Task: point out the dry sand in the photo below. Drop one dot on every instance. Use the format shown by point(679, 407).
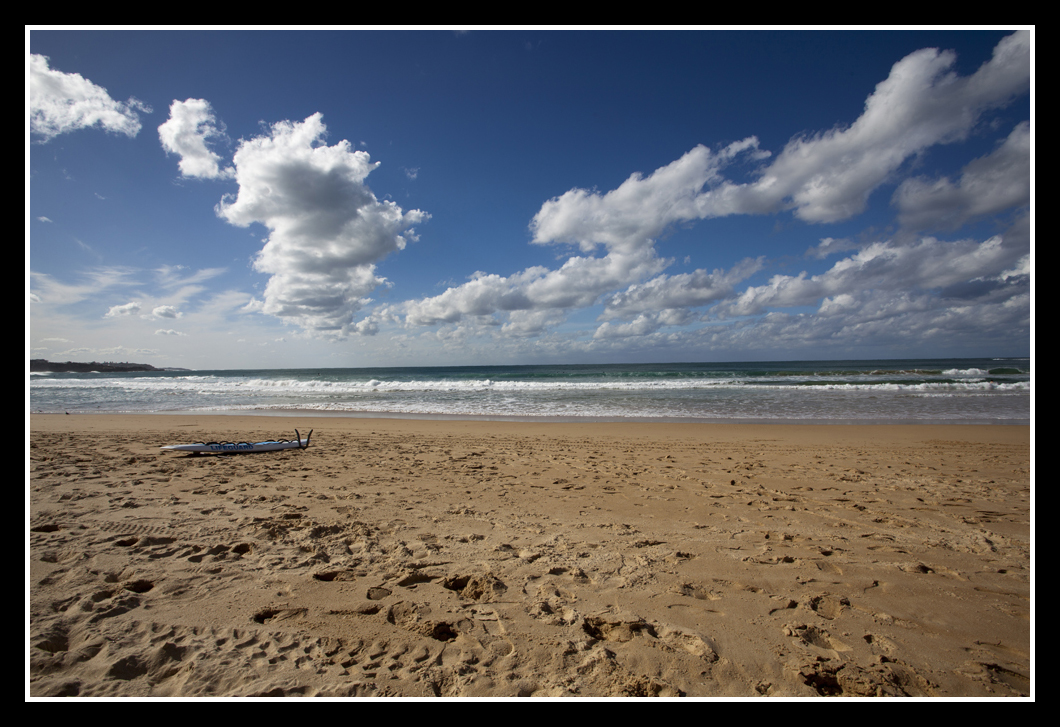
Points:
point(497, 559)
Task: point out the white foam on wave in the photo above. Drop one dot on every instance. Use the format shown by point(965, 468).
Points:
point(958, 393)
point(208, 385)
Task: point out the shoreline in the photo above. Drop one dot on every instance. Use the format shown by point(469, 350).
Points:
point(316, 414)
point(709, 431)
point(418, 558)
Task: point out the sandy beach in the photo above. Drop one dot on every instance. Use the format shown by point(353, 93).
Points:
point(412, 558)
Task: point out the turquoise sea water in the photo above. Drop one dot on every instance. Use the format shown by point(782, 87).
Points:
point(989, 390)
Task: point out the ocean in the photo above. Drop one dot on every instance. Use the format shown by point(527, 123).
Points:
point(972, 391)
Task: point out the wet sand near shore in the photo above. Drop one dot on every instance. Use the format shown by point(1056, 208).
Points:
point(412, 558)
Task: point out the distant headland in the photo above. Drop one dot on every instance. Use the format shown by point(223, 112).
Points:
point(40, 364)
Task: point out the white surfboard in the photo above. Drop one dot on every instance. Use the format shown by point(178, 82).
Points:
point(242, 447)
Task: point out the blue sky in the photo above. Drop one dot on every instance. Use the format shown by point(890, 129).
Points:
point(267, 199)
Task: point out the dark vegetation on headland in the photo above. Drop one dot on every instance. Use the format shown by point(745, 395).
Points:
point(40, 364)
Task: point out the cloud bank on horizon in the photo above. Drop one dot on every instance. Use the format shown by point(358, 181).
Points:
point(930, 278)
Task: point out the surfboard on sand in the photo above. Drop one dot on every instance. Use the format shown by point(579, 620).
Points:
point(242, 447)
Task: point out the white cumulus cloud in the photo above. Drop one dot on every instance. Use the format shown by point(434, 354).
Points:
point(166, 311)
point(825, 177)
point(326, 227)
point(62, 102)
point(945, 270)
point(687, 290)
point(190, 125)
point(988, 185)
point(829, 176)
point(126, 309)
point(578, 283)
point(640, 209)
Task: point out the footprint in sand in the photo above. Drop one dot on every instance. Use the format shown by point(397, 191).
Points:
point(414, 617)
point(829, 607)
point(616, 627)
point(689, 641)
point(697, 591)
point(813, 636)
point(481, 588)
